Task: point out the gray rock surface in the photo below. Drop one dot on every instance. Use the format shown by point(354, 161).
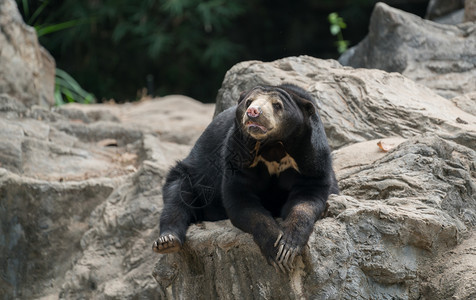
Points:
point(87, 234)
point(440, 8)
point(27, 70)
point(453, 274)
point(80, 195)
point(169, 120)
point(356, 105)
point(381, 238)
point(466, 102)
point(441, 57)
point(453, 18)
point(470, 11)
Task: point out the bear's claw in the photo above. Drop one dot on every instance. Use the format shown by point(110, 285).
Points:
point(167, 244)
point(285, 256)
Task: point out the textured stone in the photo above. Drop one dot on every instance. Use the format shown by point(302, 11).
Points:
point(395, 216)
point(470, 11)
point(453, 274)
point(441, 57)
point(466, 102)
point(440, 8)
point(27, 70)
point(76, 186)
point(165, 116)
point(80, 195)
point(90, 238)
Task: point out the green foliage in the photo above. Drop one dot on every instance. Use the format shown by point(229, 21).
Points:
point(114, 48)
point(42, 30)
point(67, 88)
point(337, 24)
point(111, 46)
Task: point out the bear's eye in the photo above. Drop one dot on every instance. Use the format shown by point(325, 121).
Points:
point(277, 106)
point(248, 102)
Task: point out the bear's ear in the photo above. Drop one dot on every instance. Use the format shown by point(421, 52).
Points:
point(307, 107)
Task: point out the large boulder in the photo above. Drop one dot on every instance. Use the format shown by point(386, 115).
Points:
point(356, 105)
point(166, 117)
point(80, 192)
point(383, 238)
point(76, 186)
point(441, 57)
point(27, 70)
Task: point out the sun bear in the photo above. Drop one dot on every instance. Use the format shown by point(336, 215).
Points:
point(266, 157)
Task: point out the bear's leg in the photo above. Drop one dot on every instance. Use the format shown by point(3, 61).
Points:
point(246, 213)
point(303, 208)
point(176, 216)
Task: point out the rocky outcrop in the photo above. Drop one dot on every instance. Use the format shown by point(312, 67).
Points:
point(357, 105)
point(381, 238)
point(27, 70)
point(77, 185)
point(441, 57)
point(89, 236)
point(80, 195)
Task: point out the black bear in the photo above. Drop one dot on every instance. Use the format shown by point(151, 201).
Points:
point(265, 158)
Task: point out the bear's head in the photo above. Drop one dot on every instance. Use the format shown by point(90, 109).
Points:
point(274, 112)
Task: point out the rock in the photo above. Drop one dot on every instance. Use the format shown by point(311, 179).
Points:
point(440, 8)
point(87, 234)
point(175, 118)
point(361, 154)
point(441, 57)
point(395, 216)
point(466, 102)
point(453, 275)
point(453, 18)
point(470, 11)
point(27, 70)
point(116, 259)
point(42, 224)
point(80, 194)
point(63, 172)
point(356, 105)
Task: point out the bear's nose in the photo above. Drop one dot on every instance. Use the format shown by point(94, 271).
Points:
point(253, 111)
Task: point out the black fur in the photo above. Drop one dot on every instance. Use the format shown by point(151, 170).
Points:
point(217, 180)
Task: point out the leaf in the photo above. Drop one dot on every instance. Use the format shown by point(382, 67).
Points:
point(218, 52)
point(58, 98)
point(332, 17)
point(335, 29)
point(44, 30)
point(341, 23)
point(26, 7)
point(385, 147)
point(70, 88)
point(120, 31)
point(175, 7)
point(157, 44)
point(37, 12)
point(342, 46)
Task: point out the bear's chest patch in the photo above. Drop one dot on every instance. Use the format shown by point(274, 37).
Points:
point(276, 160)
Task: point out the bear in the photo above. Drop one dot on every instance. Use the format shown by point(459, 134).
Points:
point(265, 158)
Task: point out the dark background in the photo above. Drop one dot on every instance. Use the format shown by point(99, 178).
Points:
point(114, 47)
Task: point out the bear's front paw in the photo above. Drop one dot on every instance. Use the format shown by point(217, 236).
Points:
point(167, 243)
point(287, 251)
